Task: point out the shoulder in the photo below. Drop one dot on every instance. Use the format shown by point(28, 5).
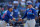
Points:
point(28, 9)
point(33, 8)
point(7, 12)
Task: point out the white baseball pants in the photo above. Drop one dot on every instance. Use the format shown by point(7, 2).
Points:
point(30, 23)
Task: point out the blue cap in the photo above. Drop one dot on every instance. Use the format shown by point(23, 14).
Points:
point(29, 3)
point(9, 7)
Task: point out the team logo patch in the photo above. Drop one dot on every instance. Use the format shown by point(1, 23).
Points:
point(30, 11)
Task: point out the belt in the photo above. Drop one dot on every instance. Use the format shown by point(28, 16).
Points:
point(29, 19)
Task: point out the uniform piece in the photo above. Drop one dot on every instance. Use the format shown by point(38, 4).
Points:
point(7, 15)
point(31, 14)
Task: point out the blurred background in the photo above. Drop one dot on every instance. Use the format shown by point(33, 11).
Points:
point(19, 7)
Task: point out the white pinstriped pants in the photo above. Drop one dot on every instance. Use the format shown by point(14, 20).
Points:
point(30, 23)
point(2, 23)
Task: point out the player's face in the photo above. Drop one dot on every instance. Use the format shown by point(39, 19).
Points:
point(29, 6)
point(11, 9)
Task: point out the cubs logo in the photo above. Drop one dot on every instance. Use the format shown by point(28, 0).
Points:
point(30, 11)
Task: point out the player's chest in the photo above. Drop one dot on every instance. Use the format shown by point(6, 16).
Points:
point(29, 11)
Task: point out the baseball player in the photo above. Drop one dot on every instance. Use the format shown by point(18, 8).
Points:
point(17, 15)
point(30, 14)
point(6, 16)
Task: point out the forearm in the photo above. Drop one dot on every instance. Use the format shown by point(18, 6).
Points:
point(24, 16)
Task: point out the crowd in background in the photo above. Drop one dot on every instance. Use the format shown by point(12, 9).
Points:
point(19, 6)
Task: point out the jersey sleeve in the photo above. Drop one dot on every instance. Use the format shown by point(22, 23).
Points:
point(34, 12)
point(10, 16)
point(24, 15)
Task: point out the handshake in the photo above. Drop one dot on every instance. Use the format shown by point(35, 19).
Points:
point(20, 19)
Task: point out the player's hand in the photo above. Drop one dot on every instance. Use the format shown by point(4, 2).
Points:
point(20, 19)
point(14, 19)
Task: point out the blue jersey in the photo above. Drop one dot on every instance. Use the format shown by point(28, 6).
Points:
point(7, 15)
point(30, 14)
point(15, 13)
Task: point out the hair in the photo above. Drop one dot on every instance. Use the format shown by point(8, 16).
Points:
point(9, 8)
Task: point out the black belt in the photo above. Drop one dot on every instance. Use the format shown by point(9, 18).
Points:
point(29, 19)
